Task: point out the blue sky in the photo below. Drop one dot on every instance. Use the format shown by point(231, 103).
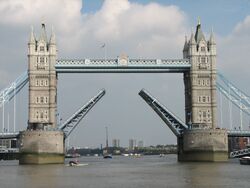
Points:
point(222, 15)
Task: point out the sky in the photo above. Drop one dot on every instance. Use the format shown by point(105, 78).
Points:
point(139, 28)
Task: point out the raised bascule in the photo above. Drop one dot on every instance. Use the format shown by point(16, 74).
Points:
point(199, 138)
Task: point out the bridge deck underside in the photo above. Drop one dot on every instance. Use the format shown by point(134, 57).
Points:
point(119, 66)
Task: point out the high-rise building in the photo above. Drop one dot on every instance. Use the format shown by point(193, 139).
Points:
point(116, 143)
point(132, 144)
point(140, 144)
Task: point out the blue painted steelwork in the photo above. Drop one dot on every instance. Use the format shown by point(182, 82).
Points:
point(122, 66)
point(238, 133)
point(70, 124)
point(9, 92)
point(234, 99)
point(172, 121)
point(240, 153)
point(9, 135)
point(239, 93)
point(233, 94)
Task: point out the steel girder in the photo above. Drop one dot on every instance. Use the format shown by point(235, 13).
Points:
point(241, 95)
point(9, 92)
point(172, 121)
point(122, 65)
point(240, 153)
point(234, 99)
point(238, 133)
point(9, 135)
point(71, 123)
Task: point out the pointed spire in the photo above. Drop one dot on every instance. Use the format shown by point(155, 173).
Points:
point(43, 35)
point(192, 39)
point(212, 39)
point(186, 44)
point(199, 34)
point(199, 20)
point(53, 36)
point(32, 39)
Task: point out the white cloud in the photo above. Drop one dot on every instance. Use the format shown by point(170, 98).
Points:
point(233, 53)
point(122, 25)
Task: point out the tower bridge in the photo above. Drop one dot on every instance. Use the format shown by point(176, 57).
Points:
point(198, 137)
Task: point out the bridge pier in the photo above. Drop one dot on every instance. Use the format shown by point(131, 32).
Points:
point(203, 145)
point(41, 147)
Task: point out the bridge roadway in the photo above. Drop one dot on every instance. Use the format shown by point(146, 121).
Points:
point(9, 135)
point(231, 133)
point(122, 65)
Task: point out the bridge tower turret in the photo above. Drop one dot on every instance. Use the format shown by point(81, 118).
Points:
point(43, 81)
point(200, 82)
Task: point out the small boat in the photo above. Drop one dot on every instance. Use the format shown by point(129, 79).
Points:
point(76, 164)
point(245, 160)
point(73, 163)
point(107, 156)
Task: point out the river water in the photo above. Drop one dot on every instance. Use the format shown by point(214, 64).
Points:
point(126, 172)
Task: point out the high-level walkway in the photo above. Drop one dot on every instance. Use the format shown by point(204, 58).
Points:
point(122, 65)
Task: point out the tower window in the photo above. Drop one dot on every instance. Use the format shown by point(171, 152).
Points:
point(203, 49)
point(208, 99)
point(41, 59)
point(203, 59)
point(41, 99)
point(203, 99)
point(204, 114)
point(42, 48)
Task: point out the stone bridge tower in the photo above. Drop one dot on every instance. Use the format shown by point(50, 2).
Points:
point(200, 82)
point(42, 143)
point(202, 141)
point(42, 81)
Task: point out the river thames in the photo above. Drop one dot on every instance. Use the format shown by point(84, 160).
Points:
point(126, 172)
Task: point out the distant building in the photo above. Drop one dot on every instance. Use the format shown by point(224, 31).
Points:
point(140, 144)
point(132, 144)
point(237, 143)
point(116, 143)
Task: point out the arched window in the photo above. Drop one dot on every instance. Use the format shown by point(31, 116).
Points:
point(203, 99)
